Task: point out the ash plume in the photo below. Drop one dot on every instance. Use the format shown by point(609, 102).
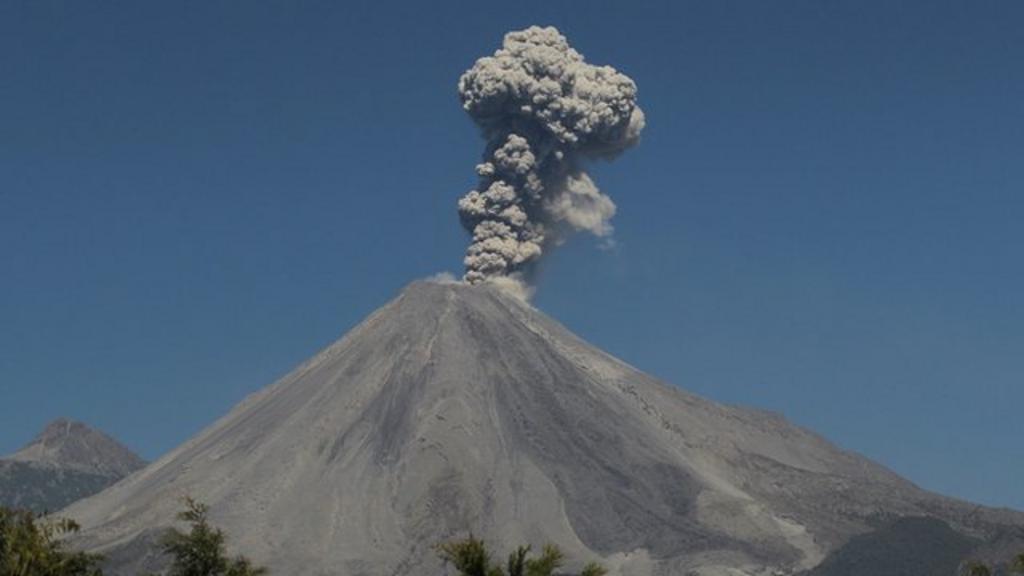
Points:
point(544, 113)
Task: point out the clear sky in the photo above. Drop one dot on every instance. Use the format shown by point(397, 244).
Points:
point(824, 217)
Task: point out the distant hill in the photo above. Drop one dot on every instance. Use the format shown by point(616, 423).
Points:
point(67, 461)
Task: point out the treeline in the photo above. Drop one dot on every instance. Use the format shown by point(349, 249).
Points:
point(31, 546)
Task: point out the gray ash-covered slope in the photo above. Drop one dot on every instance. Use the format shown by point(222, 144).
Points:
point(456, 409)
point(66, 462)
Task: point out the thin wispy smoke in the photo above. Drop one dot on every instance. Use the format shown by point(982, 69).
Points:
point(545, 113)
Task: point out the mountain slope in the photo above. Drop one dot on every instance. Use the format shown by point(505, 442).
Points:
point(457, 408)
point(67, 461)
point(907, 547)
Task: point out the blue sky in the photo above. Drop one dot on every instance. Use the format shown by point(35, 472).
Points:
point(823, 217)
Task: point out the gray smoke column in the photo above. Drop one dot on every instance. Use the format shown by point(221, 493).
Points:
point(544, 112)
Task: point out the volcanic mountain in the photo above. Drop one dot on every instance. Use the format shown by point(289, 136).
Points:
point(67, 461)
point(457, 408)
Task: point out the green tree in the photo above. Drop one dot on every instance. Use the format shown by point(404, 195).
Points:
point(201, 551)
point(1018, 564)
point(33, 547)
point(517, 561)
point(471, 558)
point(976, 569)
point(550, 560)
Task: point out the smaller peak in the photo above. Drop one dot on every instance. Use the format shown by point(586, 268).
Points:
point(62, 427)
point(68, 443)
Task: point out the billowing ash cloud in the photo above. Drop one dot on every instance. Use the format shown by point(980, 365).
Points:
point(544, 113)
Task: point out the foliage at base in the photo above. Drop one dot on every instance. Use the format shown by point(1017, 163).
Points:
point(201, 550)
point(471, 558)
point(33, 547)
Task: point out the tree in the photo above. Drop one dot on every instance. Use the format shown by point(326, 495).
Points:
point(517, 561)
point(976, 569)
point(1018, 564)
point(550, 559)
point(33, 547)
point(201, 551)
point(471, 558)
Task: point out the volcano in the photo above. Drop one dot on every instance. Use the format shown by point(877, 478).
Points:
point(458, 408)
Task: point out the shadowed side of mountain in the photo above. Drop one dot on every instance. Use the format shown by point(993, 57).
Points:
point(45, 488)
point(907, 547)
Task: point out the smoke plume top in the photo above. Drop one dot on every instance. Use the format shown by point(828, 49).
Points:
point(544, 113)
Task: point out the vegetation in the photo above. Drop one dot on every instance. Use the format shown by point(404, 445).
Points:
point(200, 552)
point(976, 569)
point(979, 569)
point(471, 558)
point(33, 547)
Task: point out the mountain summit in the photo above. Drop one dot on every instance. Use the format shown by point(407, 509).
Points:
point(73, 445)
point(457, 408)
point(68, 460)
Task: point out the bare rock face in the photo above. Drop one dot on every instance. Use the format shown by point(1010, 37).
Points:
point(66, 462)
point(456, 409)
